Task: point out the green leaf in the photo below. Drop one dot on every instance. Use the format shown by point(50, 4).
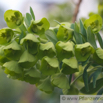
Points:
point(99, 40)
point(51, 36)
point(31, 42)
point(45, 85)
point(49, 64)
point(32, 76)
point(95, 22)
point(28, 19)
point(85, 77)
point(83, 31)
point(13, 18)
point(69, 66)
point(72, 91)
point(32, 13)
point(92, 90)
point(83, 51)
point(46, 49)
point(100, 92)
point(64, 50)
point(6, 35)
point(95, 76)
point(98, 56)
point(64, 34)
point(91, 37)
point(60, 80)
point(77, 35)
point(13, 51)
point(27, 60)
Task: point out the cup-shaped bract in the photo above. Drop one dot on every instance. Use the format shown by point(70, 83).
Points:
point(64, 50)
point(13, 51)
point(3, 58)
point(47, 49)
point(31, 42)
point(32, 75)
point(6, 35)
point(45, 85)
point(13, 18)
point(69, 66)
point(83, 51)
point(60, 80)
point(98, 56)
point(39, 26)
point(13, 69)
point(64, 34)
point(95, 21)
point(27, 60)
point(49, 66)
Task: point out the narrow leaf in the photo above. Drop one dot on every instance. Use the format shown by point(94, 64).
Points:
point(32, 13)
point(99, 40)
point(95, 75)
point(91, 37)
point(85, 77)
point(83, 31)
point(51, 36)
point(29, 18)
point(92, 90)
point(77, 35)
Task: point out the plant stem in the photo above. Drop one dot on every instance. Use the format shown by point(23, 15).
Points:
point(76, 11)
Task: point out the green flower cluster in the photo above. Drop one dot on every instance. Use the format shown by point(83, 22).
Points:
point(34, 52)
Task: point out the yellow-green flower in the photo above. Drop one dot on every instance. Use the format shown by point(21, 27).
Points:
point(13, 18)
point(6, 35)
point(95, 21)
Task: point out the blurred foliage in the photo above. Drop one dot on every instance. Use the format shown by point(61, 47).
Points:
point(60, 12)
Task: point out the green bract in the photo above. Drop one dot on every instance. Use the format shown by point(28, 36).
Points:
point(83, 51)
point(32, 75)
point(31, 42)
point(64, 34)
point(13, 51)
point(70, 66)
point(49, 57)
point(45, 85)
point(12, 68)
point(27, 60)
point(64, 50)
point(39, 26)
point(49, 66)
point(72, 91)
point(3, 58)
point(47, 49)
point(13, 18)
point(98, 56)
point(60, 80)
point(95, 21)
point(6, 35)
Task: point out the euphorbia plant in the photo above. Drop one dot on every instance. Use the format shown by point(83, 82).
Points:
point(34, 52)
